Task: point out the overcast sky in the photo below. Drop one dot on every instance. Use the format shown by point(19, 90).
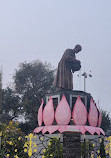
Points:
point(39, 29)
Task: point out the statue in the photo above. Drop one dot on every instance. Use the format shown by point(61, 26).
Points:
point(67, 65)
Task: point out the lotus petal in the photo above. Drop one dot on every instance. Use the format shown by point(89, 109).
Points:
point(82, 129)
point(79, 113)
point(77, 127)
point(100, 119)
point(38, 129)
point(61, 128)
point(101, 131)
point(90, 129)
point(44, 130)
point(63, 112)
point(52, 129)
point(97, 131)
point(40, 117)
point(48, 113)
point(93, 114)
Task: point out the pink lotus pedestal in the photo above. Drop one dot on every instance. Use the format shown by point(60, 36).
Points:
point(61, 128)
point(71, 113)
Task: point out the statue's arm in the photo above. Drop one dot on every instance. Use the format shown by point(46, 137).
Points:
point(69, 56)
point(71, 61)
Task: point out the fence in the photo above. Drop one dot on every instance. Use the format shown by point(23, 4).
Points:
point(51, 146)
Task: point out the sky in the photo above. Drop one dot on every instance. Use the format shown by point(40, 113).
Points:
point(39, 29)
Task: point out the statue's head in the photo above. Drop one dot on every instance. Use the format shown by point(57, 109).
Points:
point(77, 48)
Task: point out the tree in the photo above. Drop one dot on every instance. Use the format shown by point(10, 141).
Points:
point(10, 105)
point(32, 81)
point(0, 96)
point(105, 125)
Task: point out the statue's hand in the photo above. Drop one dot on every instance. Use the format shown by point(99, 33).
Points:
point(76, 67)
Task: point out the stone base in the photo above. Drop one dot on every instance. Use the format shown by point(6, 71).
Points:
point(71, 145)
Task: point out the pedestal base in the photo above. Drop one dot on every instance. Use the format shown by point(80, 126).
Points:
point(71, 145)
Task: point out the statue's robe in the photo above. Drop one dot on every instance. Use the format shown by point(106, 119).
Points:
point(67, 65)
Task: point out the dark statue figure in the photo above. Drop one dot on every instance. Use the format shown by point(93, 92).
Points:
point(67, 65)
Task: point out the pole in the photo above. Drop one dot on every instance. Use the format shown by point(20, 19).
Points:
point(85, 76)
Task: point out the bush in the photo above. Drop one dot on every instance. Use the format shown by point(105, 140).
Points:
point(12, 141)
point(86, 148)
point(54, 149)
point(102, 149)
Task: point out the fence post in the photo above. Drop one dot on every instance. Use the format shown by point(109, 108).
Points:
point(71, 143)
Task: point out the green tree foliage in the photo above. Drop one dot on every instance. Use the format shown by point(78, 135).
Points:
point(102, 149)
point(105, 125)
point(0, 97)
point(32, 81)
point(54, 149)
point(10, 105)
point(86, 148)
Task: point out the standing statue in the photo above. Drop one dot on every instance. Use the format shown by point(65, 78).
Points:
point(67, 65)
